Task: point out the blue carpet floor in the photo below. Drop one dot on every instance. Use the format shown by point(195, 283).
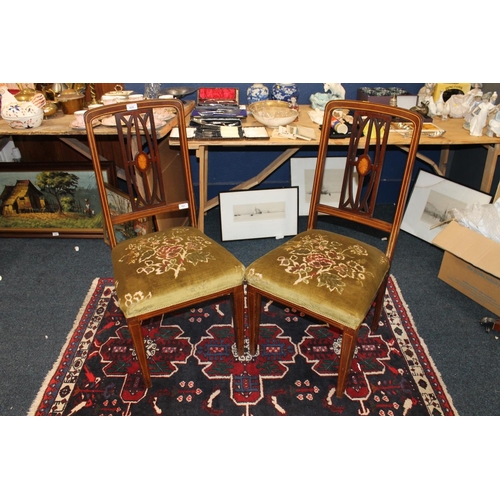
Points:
point(44, 282)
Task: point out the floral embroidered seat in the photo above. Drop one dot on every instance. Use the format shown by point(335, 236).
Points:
point(330, 275)
point(175, 266)
point(327, 275)
point(161, 260)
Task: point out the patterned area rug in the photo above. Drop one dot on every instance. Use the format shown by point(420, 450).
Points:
point(195, 370)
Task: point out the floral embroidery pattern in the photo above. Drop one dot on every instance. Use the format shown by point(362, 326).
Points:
point(316, 258)
point(160, 254)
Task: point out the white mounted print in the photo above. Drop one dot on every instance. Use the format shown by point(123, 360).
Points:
point(431, 200)
point(302, 175)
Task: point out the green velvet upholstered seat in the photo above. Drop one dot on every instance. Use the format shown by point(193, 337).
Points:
point(333, 276)
point(175, 266)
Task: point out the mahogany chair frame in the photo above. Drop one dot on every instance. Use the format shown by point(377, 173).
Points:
point(146, 191)
point(370, 132)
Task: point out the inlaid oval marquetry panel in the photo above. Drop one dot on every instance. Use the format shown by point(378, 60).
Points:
point(364, 165)
point(142, 161)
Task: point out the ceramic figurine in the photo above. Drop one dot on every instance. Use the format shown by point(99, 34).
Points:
point(333, 91)
point(470, 96)
point(477, 100)
point(494, 125)
point(480, 116)
point(425, 93)
point(319, 100)
point(456, 106)
point(285, 91)
point(257, 92)
point(440, 104)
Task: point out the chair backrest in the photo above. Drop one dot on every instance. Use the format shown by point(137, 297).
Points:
point(147, 199)
point(371, 127)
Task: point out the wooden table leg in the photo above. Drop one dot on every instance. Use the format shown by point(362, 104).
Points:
point(437, 168)
point(443, 159)
point(490, 166)
point(202, 155)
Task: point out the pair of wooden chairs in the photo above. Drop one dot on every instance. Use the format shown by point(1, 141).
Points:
point(167, 267)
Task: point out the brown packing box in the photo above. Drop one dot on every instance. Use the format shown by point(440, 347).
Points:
point(471, 264)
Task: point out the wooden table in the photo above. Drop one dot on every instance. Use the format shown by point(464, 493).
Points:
point(59, 126)
point(455, 135)
point(49, 144)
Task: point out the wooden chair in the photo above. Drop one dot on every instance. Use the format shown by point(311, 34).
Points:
point(332, 277)
point(169, 264)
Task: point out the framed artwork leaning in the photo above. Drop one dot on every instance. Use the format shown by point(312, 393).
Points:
point(51, 200)
point(431, 200)
point(302, 175)
point(263, 213)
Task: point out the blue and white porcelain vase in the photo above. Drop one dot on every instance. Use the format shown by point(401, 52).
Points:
point(285, 91)
point(257, 92)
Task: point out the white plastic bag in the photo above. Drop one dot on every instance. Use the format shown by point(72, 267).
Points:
point(484, 219)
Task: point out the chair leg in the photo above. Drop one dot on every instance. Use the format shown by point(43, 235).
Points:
point(349, 340)
point(134, 326)
point(254, 306)
point(378, 305)
point(238, 307)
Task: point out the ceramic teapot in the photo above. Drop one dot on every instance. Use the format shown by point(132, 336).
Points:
point(22, 114)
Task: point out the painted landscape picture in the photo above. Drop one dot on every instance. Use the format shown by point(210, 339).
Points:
point(54, 201)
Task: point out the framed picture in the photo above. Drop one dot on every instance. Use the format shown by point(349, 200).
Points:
point(261, 213)
point(119, 203)
point(302, 175)
point(51, 200)
point(430, 201)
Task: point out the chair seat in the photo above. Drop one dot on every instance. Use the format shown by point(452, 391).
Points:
point(151, 271)
point(330, 275)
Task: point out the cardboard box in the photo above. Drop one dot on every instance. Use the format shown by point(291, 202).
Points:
point(471, 264)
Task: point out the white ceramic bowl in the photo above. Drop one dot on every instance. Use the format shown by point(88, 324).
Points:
point(273, 114)
point(23, 115)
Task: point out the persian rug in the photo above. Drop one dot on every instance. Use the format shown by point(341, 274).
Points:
point(196, 371)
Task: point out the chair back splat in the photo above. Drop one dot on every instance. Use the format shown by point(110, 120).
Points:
point(141, 161)
point(328, 275)
point(161, 260)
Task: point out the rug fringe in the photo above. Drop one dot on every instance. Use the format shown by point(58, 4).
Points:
point(39, 396)
point(424, 345)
